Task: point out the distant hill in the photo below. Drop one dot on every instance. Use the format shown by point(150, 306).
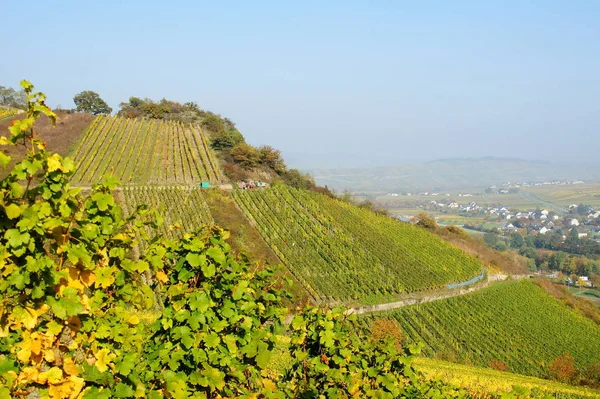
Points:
point(446, 174)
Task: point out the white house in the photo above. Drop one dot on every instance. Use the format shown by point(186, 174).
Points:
point(544, 212)
point(582, 235)
point(543, 230)
point(574, 222)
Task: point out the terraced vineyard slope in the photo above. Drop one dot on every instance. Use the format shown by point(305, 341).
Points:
point(514, 322)
point(343, 253)
point(8, 112)
point(143, 151)
point(183, 209)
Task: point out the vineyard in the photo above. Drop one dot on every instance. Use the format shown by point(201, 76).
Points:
point(142, 151)
point(515, 323)
point(183, 209)
point(345, 254)
point(8, 112)
point(480, 382)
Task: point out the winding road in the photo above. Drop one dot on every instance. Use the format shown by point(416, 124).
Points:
point(533, 198)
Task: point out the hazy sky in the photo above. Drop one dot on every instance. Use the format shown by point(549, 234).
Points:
point(335, 83)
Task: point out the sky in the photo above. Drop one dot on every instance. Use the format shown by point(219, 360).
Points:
point(336, 83)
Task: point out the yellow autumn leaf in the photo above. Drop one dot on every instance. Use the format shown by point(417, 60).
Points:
point(269, 385)
point(103, 359)
point(140, 391)
point(161, 276)
point(25, 353)
point(52, 376)
point(73, 345)
point(26, 317)
point(69, 366)
point(49, 355)
point(133, 320)
point(36, 343)
point(87, 277)
point(74, 281)
point(85, 301)
point(54, 163)
point(105, 276)
point(67, 389)
point(28, 374)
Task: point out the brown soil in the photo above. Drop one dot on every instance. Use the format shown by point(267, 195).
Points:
point(58, 139)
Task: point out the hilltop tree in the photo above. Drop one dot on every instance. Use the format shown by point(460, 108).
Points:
point(225, 140)
point(245, 155)
point(11, 98)
point(272, 158)
point(90, 101)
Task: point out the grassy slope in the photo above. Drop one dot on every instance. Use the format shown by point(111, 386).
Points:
point(514, 322)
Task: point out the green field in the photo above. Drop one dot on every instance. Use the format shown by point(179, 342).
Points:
point(552, 197)
point(514, 322)
point(347, 254)
point(587, 193)
point(513, 201)
point(143, 151)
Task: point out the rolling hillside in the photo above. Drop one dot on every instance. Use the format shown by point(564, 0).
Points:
point(143, 151)
point(339, 253)
point(345, 254)
point(515, 323)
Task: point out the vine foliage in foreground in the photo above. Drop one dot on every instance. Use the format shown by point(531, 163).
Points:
point(81, 318)
point(77, 315)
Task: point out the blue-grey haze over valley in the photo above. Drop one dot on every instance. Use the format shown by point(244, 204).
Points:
point(340, 83)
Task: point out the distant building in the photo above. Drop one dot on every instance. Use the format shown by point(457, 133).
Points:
point(574, 222)
point(543, 230)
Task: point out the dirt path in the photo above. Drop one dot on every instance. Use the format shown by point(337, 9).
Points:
point(431, 298)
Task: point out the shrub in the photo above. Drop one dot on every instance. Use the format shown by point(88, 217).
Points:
point(213, 123)
point(498, 365)
point(245, 155)
point(563, 368)
point(425, 221)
